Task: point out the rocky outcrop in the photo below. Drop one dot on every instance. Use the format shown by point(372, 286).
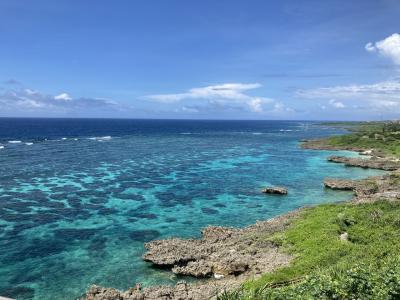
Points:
point(340, 184)
point(208, 289)
point(221, 250)
point(361, 188)
point(344, 237)
point(370, 189)
point(224, 256)
point(377, 188)
point(373, 163)
point(181, 291)
point(377, 159)
point(275, 190)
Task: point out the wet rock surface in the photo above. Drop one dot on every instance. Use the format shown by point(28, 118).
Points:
point(275, 190)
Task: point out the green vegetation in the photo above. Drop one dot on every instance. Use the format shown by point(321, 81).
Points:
point(384, 136)
point(366, 266)
point(365, 262)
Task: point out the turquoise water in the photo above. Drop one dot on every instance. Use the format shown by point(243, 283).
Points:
point(78, 203)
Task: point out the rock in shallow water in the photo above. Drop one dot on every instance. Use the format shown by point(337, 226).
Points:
point(275, 190)
point(144, 235)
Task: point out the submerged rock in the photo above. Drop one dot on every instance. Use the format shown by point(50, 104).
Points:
point(275, 190)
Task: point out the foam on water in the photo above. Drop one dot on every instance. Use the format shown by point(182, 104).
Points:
point(101, 138)
point(77, 213)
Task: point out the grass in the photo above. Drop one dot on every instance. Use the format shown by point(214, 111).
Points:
point(383, 136)
point(322, 258)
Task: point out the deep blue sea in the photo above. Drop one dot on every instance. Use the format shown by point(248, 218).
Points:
point(79, 197)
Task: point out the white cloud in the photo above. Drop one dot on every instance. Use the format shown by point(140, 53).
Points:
point(25, 100)
point(280, 107)
point(189, 109)
point(381, 96)
point(227, 93)
point(30, 92)
point(380, 90)
point(256, 104)
point(388, 47)
point(63, 96)
point(29, 103)
point(336, 104)
point(370, 47)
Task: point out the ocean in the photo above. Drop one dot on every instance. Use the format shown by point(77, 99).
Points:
point(79, 197)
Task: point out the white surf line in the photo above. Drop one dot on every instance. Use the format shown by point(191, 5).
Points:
point(4, 298)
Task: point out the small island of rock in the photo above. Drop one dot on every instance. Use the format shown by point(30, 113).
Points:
point(275, 190)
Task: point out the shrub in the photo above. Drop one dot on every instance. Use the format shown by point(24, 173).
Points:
point(359, 281)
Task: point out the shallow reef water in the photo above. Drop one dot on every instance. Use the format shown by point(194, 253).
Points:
point(78, 198)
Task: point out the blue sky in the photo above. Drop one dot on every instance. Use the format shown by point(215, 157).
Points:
point(200, 59)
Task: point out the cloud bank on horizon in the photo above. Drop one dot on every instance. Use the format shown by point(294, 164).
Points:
point(343, 63)
point(28, 102)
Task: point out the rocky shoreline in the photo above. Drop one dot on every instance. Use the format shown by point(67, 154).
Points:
point(370, 189)
point(371, 163)
point(225, 257)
